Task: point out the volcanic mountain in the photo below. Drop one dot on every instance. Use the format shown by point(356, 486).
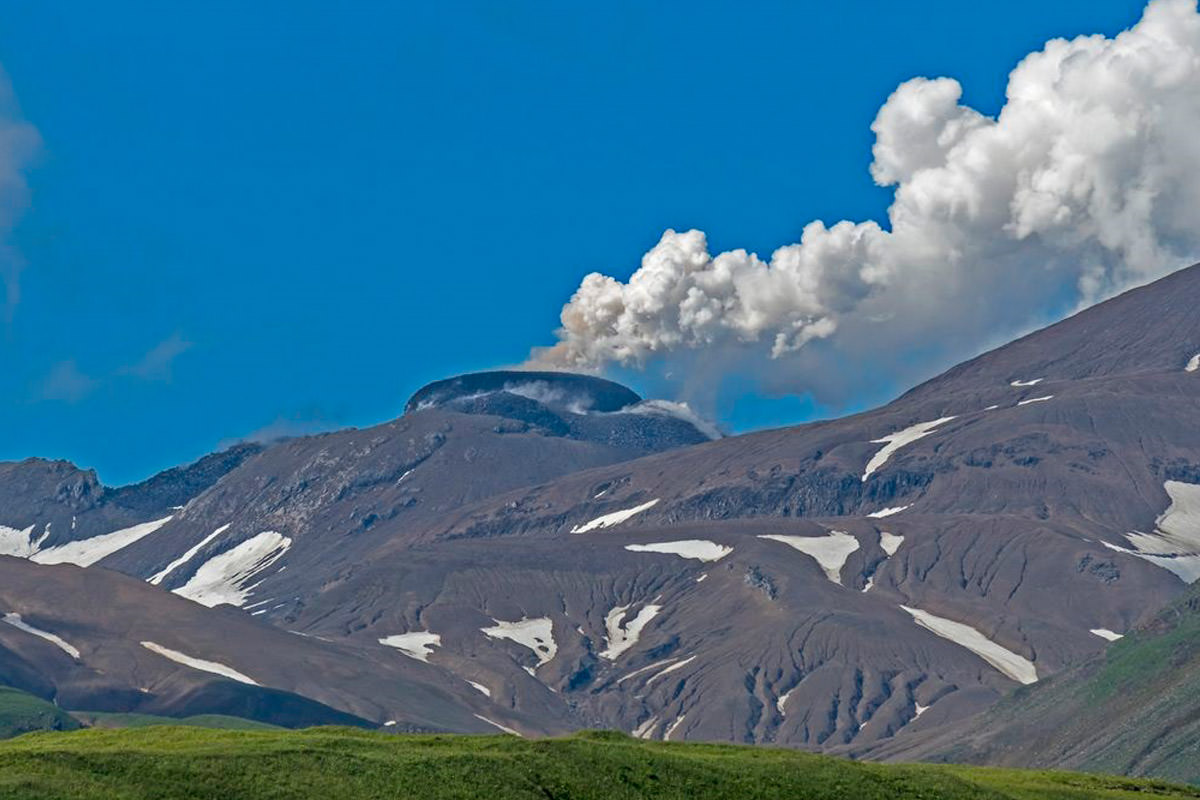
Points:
point(547, 552)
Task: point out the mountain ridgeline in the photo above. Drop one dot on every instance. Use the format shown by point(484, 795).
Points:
point(541, 553)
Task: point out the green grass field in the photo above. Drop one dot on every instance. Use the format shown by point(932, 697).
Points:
point(174, 762)
point(101, 719)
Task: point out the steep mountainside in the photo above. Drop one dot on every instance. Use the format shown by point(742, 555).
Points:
point(1133, 710)
point(571, 556)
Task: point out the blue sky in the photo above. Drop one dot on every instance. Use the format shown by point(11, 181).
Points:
point(250, 217)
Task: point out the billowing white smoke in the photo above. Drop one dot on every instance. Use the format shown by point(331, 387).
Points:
point(1086, 183)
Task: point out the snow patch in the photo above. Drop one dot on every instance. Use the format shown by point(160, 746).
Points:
point(186, 557)
point(614, 518)
point(886, 512)
point(1175, 542)
point(17, 543)
point(417, 644)
point(86, 552)
point(673, 727)
point(535, 634)
point(699, 549)
point(495, 724)
point(214, 667)
point(226, 578)
point(670, 669)
point(781, 701)
point(622, 637)
point(829, 551)
point(894, 441)
point(646, 729)
point(1036, 400)
point(1033, 382)
point(646, 668)
point(16, 621)
point(479, 687)
point(890, 542)
point(1006, 661)
point(920, 709)
point(1105, 633)
point(1194, 364)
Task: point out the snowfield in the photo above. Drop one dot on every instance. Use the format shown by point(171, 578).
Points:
point(621, 637)
point(1175, 543)
point(699, 549)
point(16, 621)
point(535, 634)
point(1011, 664)
point(613, 518)
point(215, 667)
point(887, 512)
point(1105, 633)
point(894, 441)
point(890, 542)
point(226, 578)
point(86, 552)
point(186, 557)
point(19, 543)
point(417, 644)
point(829, 551)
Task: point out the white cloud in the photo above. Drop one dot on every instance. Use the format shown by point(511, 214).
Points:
point(1087, 182)
point(19, 142)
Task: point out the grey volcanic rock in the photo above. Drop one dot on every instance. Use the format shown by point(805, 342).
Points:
point(551, 552)
point(558, 389)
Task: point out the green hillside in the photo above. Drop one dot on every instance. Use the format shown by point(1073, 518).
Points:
point(193, 763)
point(101, 719)
point(21, 713)
point(1135, 710)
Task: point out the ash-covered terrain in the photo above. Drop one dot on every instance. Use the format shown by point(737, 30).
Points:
point(543, 552)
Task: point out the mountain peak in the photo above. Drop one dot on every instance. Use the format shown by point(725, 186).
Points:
point(567, 390)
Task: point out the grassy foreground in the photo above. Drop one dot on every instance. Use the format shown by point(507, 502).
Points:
point(167, 763)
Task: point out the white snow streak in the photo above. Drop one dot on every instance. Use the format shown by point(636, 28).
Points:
point(613, 518)
point(479, 687)
point(1036, 400)
point(829, 551)
point(225, 578)
point(86, 552)
point(670, 669)
point(536, 634)
point(782, 701)
point(417, 644)
point(186, 557)
point(646, 668)
point(1033, 382)
point(16, 621)
point(645, 730)
point(699, 549)
point(1006, 661)
point(1105, 633)
point(886, 512)
point(674, 726)
point(215, 667)
point(495, 724)
point(894, 441)
point(622, 637)
point(1194, 364)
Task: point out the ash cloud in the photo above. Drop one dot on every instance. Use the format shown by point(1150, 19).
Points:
point(1085, 184)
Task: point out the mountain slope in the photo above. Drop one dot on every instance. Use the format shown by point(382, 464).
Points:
point(1133, 710)
point(21, 712)
point(542, 553)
